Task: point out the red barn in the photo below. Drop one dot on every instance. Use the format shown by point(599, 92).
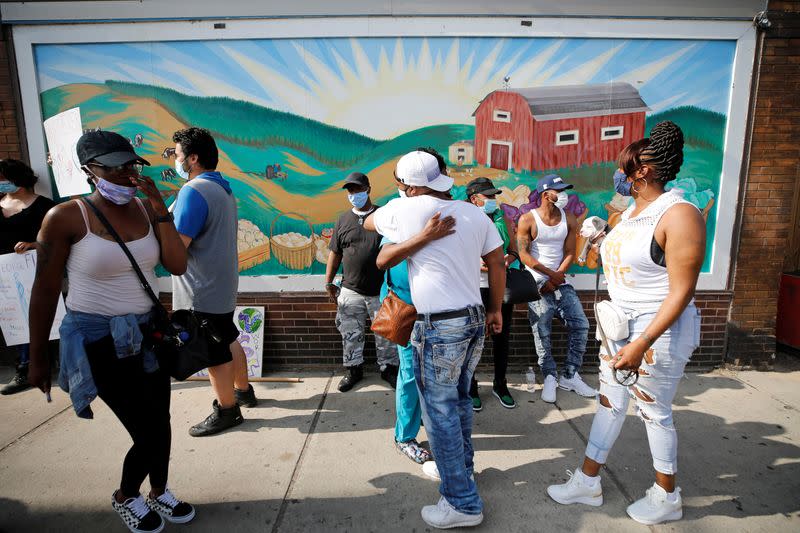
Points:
point(544, 128)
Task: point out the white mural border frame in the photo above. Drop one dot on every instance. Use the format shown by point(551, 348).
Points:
point(27, 36)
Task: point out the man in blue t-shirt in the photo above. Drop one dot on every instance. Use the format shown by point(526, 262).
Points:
point(207, 221)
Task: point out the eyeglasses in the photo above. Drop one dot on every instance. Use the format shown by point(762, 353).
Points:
point(626, 378)
point(119, 169)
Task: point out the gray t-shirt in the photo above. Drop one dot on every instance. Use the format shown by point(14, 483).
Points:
point(206, 211)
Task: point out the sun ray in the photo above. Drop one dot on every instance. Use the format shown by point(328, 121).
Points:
point(527, 72)
point(398, 60)
point(365, 71)
point(642, 75)
point(584, 72)
point(326, 77)
point(481, 75)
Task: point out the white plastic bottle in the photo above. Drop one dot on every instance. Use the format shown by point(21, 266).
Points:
point(530, 379)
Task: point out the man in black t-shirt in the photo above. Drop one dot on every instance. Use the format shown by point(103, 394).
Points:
point(356, 250)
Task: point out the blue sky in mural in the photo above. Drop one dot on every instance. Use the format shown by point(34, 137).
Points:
point(415, 82)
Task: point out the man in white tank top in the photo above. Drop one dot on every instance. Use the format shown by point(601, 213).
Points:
point(546, 238)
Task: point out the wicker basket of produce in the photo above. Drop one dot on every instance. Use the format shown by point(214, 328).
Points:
point(252, 244)
point(291, 249)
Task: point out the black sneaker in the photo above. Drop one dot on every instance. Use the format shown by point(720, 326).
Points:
point(389, 375)
point(219, 420)
point(246, 398)
point(18, 383)
point(500, 391)
point(354, 375)
point(138, 517)
point(171, 508)
point(477, 404)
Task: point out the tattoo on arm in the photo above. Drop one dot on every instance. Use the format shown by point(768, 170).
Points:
point(523, 242)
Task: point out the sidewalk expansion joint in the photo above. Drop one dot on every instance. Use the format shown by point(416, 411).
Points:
point(296, 472)
point(17, 439)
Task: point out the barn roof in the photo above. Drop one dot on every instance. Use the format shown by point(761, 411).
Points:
point(576, 101)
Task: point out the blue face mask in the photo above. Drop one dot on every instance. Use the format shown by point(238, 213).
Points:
point(6, 187)
point(490, 206)
point(621, 183)
point(358, 199)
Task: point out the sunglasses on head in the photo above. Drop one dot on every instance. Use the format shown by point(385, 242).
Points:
point(626, 378)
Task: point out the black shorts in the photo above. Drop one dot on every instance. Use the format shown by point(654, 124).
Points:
point(222, 324)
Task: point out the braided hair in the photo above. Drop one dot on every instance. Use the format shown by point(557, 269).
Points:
point(664, 152)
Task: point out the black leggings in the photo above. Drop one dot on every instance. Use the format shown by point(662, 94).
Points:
point(500, 341)
point(141, 403)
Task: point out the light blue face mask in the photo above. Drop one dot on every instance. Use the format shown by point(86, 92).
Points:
point(6, 187)
point(359, 199)
point(184, 174)
point(490, 206)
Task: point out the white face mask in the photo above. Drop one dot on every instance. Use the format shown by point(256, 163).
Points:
point(401, 193)
point(562, 200)
point(179, 169)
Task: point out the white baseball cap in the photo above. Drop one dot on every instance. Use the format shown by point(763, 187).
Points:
point(421, 169)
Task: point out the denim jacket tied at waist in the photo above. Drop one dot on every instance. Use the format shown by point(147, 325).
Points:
point(78, 329)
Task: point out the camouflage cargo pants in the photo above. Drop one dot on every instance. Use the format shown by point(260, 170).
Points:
point(351, 321)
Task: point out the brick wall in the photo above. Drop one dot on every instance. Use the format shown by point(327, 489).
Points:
point(770, 191)
point(300, 332)
point(9, 131)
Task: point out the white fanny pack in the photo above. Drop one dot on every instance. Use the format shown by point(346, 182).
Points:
point(612, 319)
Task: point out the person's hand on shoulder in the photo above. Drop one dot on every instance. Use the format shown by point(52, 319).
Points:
point(438, 227)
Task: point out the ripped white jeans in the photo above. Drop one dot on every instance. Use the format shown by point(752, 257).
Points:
point(659, 375)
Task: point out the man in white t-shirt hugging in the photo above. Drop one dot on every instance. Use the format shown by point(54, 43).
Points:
point(447, 339)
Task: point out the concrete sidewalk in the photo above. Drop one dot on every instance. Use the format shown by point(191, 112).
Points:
point(309, 458)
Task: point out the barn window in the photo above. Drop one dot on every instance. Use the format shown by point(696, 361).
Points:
point(564, 138)
point(502, 116)
point(461, 150)
point(611, 132)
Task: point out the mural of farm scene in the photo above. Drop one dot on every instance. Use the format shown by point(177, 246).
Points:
point(293, 117)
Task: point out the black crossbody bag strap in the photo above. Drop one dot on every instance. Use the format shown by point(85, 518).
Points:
point(142, 280)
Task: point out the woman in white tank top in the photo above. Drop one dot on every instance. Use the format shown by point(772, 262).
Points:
point(651, 259)
point(101, 344)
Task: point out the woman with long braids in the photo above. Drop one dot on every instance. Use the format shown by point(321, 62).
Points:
point(651, 260)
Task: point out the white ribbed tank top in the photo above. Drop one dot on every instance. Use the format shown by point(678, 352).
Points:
point(548, 246)
point(102, 280)
point(634, 279)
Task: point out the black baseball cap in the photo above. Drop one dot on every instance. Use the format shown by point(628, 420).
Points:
point(356, 178)
point(481, 186)
point(107, 148)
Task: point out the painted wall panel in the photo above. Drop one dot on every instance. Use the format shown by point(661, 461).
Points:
point(293, 116)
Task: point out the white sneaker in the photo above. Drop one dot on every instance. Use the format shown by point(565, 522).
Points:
point(549, 390)
point(444, 516)
point(579, 489)
point(657, 506)
point(575, 383)
point(429, 469)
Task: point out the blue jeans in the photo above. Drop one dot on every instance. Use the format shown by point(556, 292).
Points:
point(446, 353)
point(409, 412)
point(565, 304)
